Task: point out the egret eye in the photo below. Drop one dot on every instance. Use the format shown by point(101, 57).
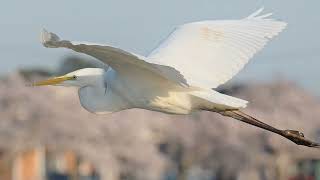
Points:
point(74, 77)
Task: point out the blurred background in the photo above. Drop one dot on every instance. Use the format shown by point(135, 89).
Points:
point(45, 134)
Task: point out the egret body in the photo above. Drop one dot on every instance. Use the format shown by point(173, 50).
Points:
point(179, 76)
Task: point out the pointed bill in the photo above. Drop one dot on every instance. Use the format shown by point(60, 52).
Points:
point(53, 81)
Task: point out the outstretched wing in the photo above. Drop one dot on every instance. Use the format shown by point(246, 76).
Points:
point(209, 53)
point(120, 60)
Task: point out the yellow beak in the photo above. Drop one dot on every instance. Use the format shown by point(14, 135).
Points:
point(53, 81)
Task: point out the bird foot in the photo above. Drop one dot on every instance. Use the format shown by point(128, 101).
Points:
point(298, 138)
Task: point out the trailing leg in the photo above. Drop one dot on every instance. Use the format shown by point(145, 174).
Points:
point(293, 135)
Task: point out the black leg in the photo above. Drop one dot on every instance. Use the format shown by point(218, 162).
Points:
point(293, 135)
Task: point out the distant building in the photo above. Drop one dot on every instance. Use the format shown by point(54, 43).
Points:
point(43, 164)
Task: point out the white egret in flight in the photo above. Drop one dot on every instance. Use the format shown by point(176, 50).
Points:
point(179, 76)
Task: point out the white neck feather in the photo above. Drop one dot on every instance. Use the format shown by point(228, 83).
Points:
point(100, 100)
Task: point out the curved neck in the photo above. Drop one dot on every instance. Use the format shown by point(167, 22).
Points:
point(101, 100)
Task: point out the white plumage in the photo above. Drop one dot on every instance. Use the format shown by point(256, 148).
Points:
point(178, 76)
point(209, 53)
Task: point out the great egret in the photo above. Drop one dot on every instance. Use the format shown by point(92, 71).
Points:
point(178, 76)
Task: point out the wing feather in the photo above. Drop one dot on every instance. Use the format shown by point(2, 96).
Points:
point(120, 60)
point(209, 53)
point(201, 54)
point(112, 56)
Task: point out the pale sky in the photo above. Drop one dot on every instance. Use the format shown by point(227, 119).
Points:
point(139, 25)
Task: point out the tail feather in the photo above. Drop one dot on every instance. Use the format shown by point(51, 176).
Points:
point(216, 100)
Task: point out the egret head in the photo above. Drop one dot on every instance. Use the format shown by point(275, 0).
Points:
point(78, 78)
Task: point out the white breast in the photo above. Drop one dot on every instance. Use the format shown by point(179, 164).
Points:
point(100, 100)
